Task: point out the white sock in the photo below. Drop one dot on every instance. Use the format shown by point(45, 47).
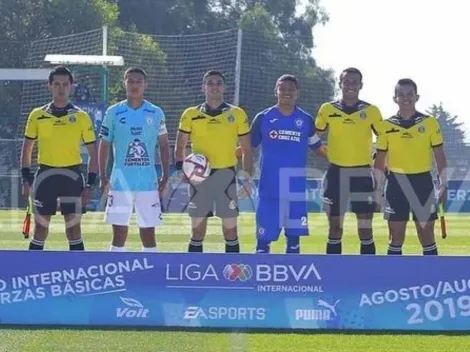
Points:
point(149, 249)
point(117, 249)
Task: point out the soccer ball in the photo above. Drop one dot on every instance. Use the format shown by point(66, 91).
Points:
point(196, 168)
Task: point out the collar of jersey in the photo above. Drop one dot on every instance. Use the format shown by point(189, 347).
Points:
point(58, 112)
point(213, 112)
point(349, 109)
point(135, 109)
point(417, 117)
point(282, 115)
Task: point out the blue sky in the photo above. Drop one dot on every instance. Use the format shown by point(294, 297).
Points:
point(423, 40)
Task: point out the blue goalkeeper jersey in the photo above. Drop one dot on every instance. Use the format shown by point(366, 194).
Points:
point(284, 142)
point(134, 135)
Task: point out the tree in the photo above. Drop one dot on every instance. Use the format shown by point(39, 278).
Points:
point(29, 20)
point(25, 21)
point(276, 40)
point(150, 57)
point(169, 16)
point(457, 150)
point(272, 47)
point(450, 127)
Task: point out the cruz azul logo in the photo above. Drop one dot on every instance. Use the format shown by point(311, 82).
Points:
point(132, 309)
point(298, 278)
point(137, 154)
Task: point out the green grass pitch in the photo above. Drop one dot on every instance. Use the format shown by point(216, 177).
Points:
point(173, 237)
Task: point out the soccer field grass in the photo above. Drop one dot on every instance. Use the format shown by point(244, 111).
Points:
point(173, 237)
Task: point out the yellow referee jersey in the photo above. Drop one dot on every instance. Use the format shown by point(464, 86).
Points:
point(59, 133)
point(350, 131)
point(214, 133)
point(409, 143)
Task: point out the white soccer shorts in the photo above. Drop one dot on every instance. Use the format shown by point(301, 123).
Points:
point(120, 206)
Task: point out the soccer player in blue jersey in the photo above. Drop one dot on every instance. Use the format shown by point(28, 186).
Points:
point(135, 127)
point(284, 132)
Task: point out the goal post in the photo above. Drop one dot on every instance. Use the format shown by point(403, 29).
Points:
point(23, 74)
point(10, 185)
point(88, 63)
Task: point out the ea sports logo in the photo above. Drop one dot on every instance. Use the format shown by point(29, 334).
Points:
point(241, 272)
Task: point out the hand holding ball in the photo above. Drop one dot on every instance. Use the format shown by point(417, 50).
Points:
point(196, 168)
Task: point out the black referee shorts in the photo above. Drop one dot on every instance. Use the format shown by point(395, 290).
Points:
point(344, 185)
point(53, 183)
point(415, 193)
point(216, 195)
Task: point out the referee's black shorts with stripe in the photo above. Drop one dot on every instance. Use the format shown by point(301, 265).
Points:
point(410, 193)
point(63, 183)
point(348, 185)
point(216, 195)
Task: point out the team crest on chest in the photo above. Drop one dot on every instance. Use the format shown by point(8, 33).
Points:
point(72, 119)
point(149, 120)
point(299, 123)
point(421, 129)
point(231, 119)
point(363, 114)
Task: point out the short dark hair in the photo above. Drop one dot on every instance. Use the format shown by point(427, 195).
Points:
point(60, 71)
point(135, 70)
point(213, 73)
point(406, 82)
point(350, 70)
point(289, 78)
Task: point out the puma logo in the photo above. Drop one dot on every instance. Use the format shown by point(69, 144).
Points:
point(332, 308)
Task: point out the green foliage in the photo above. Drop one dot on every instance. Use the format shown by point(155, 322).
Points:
point(150, 57)
point(450, 127)
point(273, 47)
point(457, 151)
point(168, 17)
point(276, 40)
point(25, 21)
point(31, 20)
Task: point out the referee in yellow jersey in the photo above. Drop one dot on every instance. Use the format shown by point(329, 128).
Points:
point(59, 129)
point(215, 128)
point(406, 143)
point(350, 123)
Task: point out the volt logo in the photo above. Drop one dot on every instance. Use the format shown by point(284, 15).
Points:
point(133, 309)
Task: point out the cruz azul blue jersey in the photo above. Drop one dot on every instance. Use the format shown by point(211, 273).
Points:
point(284, 142)
point(134, 134)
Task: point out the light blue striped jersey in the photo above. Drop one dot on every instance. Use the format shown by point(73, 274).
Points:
point(134, 135)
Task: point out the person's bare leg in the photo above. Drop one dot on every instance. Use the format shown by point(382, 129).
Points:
point(118, 243)
point(230, 231)
point(364, 230)
point(335, 234)
point(73, 231)
point(426, 236)
point(397, 232)
point(40, 232)
point(198, 233)
point(147, 236)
